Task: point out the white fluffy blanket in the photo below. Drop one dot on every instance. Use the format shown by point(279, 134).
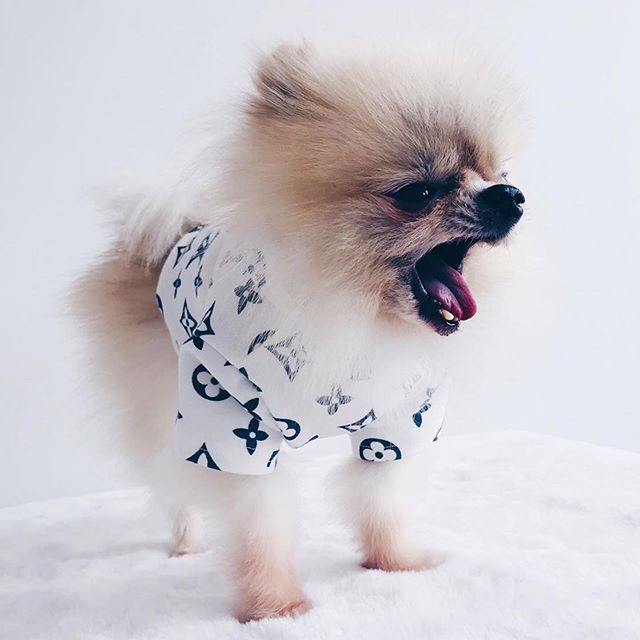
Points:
point(540, 538)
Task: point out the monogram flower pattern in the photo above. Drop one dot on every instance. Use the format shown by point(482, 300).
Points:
point(249, 292)
point(251, 435)
point(378, 450)
point(207, 386)
point(424, 407)
point(334, 400)
point(291, 428)
point(359, 424)
point(242, 435)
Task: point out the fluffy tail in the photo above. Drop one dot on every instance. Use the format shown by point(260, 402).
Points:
point(128, 352)
point(148, 225)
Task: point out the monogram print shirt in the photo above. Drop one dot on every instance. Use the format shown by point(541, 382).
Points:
point(245, 384)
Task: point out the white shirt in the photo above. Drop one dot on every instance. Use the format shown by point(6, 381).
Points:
point(245, 385)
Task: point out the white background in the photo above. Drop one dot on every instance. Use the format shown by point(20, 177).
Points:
point(87, 89)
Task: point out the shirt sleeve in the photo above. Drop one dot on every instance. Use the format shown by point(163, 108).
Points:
point(219, 423)
point(405, 430)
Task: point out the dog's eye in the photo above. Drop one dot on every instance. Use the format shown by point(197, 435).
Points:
point(412, 197)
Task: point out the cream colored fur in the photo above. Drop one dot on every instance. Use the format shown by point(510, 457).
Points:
point(319, 138)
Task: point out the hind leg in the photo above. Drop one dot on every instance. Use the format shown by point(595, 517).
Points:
point(188, 533)
point(138, 372)
point(253, 514)
point(261, 538)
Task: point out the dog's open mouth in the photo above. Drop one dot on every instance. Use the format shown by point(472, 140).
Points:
point(444, 298)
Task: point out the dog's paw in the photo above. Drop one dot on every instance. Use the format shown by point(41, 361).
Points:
point(182, 549)
point(413, 561)
point(260, 610)
point(187, 534)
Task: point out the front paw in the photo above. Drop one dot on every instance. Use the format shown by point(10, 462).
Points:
point(258, 610)
point(400, 561)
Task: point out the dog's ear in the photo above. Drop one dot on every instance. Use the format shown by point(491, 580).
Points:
point(286, 85)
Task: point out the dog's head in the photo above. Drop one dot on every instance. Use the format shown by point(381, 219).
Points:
point(387, 171)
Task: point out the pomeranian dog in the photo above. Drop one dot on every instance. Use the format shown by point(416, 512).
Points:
point(300, 297)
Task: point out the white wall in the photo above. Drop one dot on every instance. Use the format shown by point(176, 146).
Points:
point(88, 88)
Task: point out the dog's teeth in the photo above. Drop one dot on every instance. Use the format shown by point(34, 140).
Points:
point(447, 315)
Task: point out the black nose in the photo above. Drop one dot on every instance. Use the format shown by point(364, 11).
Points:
point(503, 199)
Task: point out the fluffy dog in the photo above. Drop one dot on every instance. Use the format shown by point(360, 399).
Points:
point(368, 181)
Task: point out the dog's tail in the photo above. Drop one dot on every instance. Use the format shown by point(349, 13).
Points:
point(147, 224)
point(128, 353)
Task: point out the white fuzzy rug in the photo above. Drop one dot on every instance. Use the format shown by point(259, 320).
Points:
point(540, 539)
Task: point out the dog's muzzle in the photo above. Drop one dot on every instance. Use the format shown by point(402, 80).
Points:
point(499, 208)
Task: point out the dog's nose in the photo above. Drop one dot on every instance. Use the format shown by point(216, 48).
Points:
point(505, 200)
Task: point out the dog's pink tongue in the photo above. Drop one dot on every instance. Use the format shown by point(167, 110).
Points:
point(442, 282)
